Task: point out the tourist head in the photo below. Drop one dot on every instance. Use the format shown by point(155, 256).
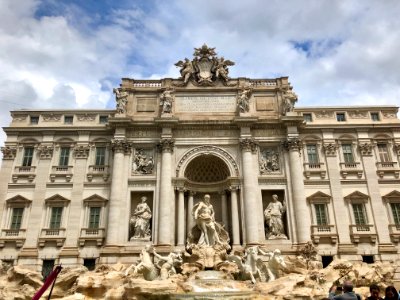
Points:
point(391, 293)
point(347, 286)
point(374, 291)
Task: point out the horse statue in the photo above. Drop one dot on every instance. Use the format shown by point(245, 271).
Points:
point(250, 266)
point(145, 266)
point(275, 263)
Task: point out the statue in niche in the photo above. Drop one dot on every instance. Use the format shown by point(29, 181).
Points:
point(269, 161)
point(289, 99)
point(140, 221)
point(273, 216)
point(121, 97)
point(166, 101)
point(168, 264)
point(143, 163)
point(243, 100)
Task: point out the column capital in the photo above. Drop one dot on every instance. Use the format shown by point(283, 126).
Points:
point(248, 144)
point(330, 148)
point(192, 193)
point(365, 148)
point(81, 150)
point(234, 188)
point(293, 144)
point(121, 146)
point(181, 189)
point(396, 147)
point(166, 145)
point(9, 152)
point(45, 151)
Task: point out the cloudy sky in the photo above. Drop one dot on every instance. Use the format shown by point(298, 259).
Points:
point(70, 54)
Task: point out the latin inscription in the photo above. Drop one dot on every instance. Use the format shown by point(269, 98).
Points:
point(206, 104)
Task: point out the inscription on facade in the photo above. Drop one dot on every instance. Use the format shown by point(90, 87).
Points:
point(206, 103)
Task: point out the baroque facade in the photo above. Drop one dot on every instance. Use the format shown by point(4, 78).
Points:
point(96, 186)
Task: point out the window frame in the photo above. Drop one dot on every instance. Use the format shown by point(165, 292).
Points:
point(345, 154)
point(70, 119)
point(383, 156)
point(94, 201)
point(375, 114)
point(103, 119)
point(314, 156)
point(17, 201)
point(63, 160)
point(53, 202)
point(27, 160)
point(341, 114)
point(103, 155)
point(307, 117)
point(56, 217)
point(33, 120)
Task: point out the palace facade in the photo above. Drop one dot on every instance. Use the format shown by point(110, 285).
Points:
point(72, 181)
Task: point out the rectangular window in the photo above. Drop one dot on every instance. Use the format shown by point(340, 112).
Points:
point(375, 116)
point(103, 119)
point(100, 156)
point(68, 119)
point(28, 156)
point(360, 217)
point(16, 218)
point(55, 219)
point(320, 213)
point(64, 156)
point(307, 117)
point(89, 263)
point(348, 153)
point(383, 153)
point(396, 212)
point(34, 120)
point(340, 117)
point(47, 267)
point(312, 154)
point(94, 217)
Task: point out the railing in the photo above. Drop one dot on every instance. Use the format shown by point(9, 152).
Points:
point(362, 228)
point(318, 229)
point(52, 232)
point(92, 232)
point(10, 233)
point(386, 165)
point(349, 165)
point(147, 83)
point(100, 169)
point(262, 82)
point(394, 228)
point(313, 166)
point(25, 169)
point(62, 169)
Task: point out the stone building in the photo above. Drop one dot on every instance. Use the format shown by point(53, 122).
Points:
point(95, 186)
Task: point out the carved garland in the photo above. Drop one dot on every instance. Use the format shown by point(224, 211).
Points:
point(292, 144)
point(365, 148)
point(9, 152)
point(81, 151)
point(207, 149)
point(330, 148)
point(45, 151)
point(121, 145)
point(248, 144)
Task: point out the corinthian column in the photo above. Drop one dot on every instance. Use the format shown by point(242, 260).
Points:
point(302, 214)
point(181, 216)
point(165, 232)
point(190, 221)
point(235, 216)
point(249, 192)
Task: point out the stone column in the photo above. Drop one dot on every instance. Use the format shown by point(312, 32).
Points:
point(119, 146)
point(224, 209)
point(249, 192)
point(181, 216)
point(190, 221)
point(165, 233)
point(235, 216)
point(303, 223)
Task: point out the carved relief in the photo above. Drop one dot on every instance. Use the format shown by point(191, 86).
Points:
point(121, 98)
point(51, 117)
point(45, 151)
point(9, 152)
point(166, 100)
point(358, 114)
point(269, 161)
point(330, 148)
point(81, 151)
point(243, 99)
point(143, 162)
point(19, 118)
point(86, 117)
point(389, 115)
point(289, 99)
point(248, 144)
point(324, 114)
point(292, 144)
point(365, 148)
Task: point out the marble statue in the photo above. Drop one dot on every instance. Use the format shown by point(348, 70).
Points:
point(203, 213)
point(166, 101)
point(145, 266)
point(243, 100)
point(167, 264)
point(221, 68)
point(121, 97)
point(142, 163)
point(289, 99)
point(273, 216)
point(140, 220)
point(187, 69)
point(276, 262)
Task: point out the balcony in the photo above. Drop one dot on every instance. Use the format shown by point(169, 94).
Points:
point(17, 236)
point(350, 168)
point(311, 169)
point(394, 231)
point(56, 235)
point(61, 172)
point(387, 168)
point(27, 173)
point(98, 171)
point(319, 232)
point(365, 232)
point(92, 234)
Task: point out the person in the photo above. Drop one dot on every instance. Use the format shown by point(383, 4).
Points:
point(347, 294)
point(391, 293)
point(204, 215)
point(273, 216)
point(374, 291)
point(140, 220)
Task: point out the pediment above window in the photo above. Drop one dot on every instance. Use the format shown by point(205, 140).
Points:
point(18, 201)
point(95, 200)
point(57, 199)
point(319, 197)
point(393, 196)
point(357, 197)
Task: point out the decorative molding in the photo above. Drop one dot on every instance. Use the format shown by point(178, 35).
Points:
point(330, 148)
point(293, 144)
point(269, 161)
point(365, 148)
point(396, 148)
point(81, 151)
point(166, 145)
point(45, 151)
point(19, 118)
point(358, 114)
point(86, 117)
point(9, 152)
point(51, 117)
point(248, 144)
point(121, 146)
point(324, 114)
point(271, 181)
point(389, 115)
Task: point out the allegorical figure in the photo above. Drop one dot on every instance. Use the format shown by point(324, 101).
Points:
point(121, 97)
point(203, 213)
point(243, 99)
point(140, 220)
point(273, 216)
point(166, 101)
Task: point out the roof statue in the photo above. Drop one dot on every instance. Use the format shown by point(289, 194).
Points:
point(205, 69)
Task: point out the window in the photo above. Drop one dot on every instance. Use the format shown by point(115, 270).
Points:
point(348, 153)
point(94, 217)
point(68, 119)
point(326, 260)
point(55, 219)
point(396, 212)
point(307, 117)
point(369, 259)
point(100, 156)
point(47, 267)
point(28, 156)
point(34, 120)
point(103, 119)
point(89, 263)
point(312, 154)
point(360, 217)
point(383, 153)
point(340, 117)
point(375, 116)
point(16, 218)
point(64, 156)
point(320, 214)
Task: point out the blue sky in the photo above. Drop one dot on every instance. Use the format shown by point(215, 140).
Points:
point(71, 54)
